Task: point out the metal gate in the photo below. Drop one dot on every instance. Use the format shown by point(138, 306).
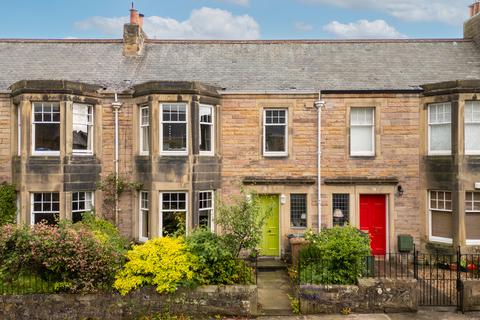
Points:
point(438, 279)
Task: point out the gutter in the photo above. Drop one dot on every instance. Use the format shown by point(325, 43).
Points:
point(116, 105)
point(319, 104)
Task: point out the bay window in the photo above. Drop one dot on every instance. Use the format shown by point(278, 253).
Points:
point(82, 133)
point(173, 213)
point(173, 129)
point(472, 127)
point(440, 216)
point(207, 130)
point(45, 207)
point(362, 131)
point(46, 128)
point(144, 130)
point(275, 132)
point(439, 129)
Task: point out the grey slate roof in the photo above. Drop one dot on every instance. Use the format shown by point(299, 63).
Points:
point(245, 65)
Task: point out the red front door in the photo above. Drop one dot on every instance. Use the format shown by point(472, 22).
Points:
point(373, 219)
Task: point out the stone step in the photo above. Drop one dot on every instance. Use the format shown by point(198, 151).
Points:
point(265, 264)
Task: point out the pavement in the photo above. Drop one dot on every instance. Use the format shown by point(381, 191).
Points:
point(274, 287)
point(420, 315)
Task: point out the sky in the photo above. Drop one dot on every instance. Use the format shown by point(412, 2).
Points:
point(236, 19)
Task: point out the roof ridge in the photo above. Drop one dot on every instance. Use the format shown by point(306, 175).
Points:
point(280, 41)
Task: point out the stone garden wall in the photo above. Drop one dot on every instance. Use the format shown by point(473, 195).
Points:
point(471, 295)
point(371, 295)
point(203, 301)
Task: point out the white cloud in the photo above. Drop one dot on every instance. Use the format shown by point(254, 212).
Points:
point(204, 23)
point(302, 26)
point(452, 12)
point(363, 29)
point(237, 2)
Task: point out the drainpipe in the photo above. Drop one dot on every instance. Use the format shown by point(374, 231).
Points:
point(319, 104)
point(116, 108)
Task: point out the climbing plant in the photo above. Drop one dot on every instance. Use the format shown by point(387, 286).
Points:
point(8, 198)
point(112, 189)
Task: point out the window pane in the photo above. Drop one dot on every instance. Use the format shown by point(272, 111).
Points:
point(206, 114)
point(440, 137)
point(298, 210)
point(275, 138)
point(173, 222)
point(174, 137)
point(442, 224)
point(49, 218)
point(472, 137)
point(342, 203)
point(204, 218)
point(361, 116)
point(145, 139)
point(472, 226)
point(47, 137)
point(145, 224)
point(361, 140)
point(205, 137)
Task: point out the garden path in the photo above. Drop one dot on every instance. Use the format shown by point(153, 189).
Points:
point(274, 287)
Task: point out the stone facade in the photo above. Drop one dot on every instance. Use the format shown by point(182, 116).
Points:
point(371, 295)
point(199, 303)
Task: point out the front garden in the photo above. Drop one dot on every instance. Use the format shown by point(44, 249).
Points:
point(91, 256)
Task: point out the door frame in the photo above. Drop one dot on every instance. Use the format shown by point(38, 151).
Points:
point(387, 216)
point(278, 195)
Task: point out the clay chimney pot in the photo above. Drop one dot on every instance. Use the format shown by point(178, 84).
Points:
point(140, 19)
point(134, 16)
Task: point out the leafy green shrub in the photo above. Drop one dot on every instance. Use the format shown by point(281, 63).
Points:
point(72, 258)
point(241, 223)
point(104, 231)
point(161, 262)
point(8, 198)
point(216, 264)
point(335, 256)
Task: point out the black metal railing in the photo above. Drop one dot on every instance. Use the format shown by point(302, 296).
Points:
point(440, 275)
point(314, 270)
point(27, 284)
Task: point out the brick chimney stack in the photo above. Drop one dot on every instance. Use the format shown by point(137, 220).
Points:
point(474, 8)
point(133, 35)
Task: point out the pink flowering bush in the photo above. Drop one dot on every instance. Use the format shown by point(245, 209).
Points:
point(74, 258)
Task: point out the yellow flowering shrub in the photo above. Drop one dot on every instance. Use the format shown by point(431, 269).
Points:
point(161, 262)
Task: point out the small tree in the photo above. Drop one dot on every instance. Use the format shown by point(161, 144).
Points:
point(241, 222)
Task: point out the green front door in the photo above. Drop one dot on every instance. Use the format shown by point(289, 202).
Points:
point(270, 244)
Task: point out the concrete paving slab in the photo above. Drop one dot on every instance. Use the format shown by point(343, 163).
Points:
point(273, 290)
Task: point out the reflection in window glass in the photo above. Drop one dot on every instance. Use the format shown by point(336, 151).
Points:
point(45, 207)
point(82, 128)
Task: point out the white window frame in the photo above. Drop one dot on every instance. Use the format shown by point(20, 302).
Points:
point(438, 152)
point(92, 201)
point(168, 152)
point(370, 153)
point(430, 209)
point(275, 153)
point(211, 209)
point(88, 124)
point(19, 130)
point(212, 130)
point(141, 126)
point(471, 242)
point(474, 122)
point(33, 122)
point(32, 212)
point(161, 211)
point(142, 211)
